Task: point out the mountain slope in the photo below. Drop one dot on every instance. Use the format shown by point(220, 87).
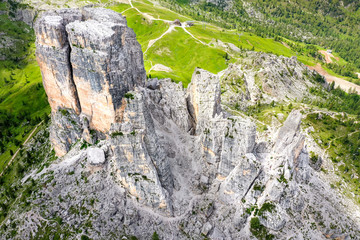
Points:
point(326, 23)
point(178, 162)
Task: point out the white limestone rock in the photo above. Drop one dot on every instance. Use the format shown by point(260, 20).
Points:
point(95, 156)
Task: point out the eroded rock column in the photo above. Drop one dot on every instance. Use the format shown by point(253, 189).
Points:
point(89, 60)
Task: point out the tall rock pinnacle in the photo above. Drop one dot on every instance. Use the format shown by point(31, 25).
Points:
point(89, 59)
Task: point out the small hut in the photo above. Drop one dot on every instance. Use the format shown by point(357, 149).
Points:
point(190, 23)
point(176, 22)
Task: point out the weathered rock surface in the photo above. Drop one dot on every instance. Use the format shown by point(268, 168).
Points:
point(173, 163)
point(80, 71)
point(204, 97)
point(262, 77)
point(153, 174)
point(95, 156)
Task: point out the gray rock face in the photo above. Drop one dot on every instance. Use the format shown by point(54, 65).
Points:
point(289, 142)
point(204, 97)
point(152, 175)
point(66, 129)
point(80, 71)
point(26, 15)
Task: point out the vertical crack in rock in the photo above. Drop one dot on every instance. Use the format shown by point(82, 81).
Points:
point(252, 184)
point(75, 93)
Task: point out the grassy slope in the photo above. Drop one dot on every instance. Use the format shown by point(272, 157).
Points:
point(158, 12)
point(184, 56)
point(147, 30)
point(22, 97)
point(341, 137)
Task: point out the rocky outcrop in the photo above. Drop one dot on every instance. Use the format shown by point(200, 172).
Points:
point(53, 56)
point(153, 174)
point(204, 97)
point(261, 77)
point(89, 60)
point(172, 161)
point(27, 15)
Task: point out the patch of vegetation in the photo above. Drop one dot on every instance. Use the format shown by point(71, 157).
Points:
point(144, 28)
point(326, 22)
point(335, 100)
point(340, 136)
point(313, 158)
point(265, 112)
point(183, 57)
point(258, 187)
point(155, 236)
point(282, 179)
point(84, 237)
point(115, 134)
point(84, 145)
point(266, 207)
point(129, 96)
point(13, 192)
point(259, 230)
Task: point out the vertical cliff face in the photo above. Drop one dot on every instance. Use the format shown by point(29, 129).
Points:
point(204, 97)
point(89, 59)
point(53, 56)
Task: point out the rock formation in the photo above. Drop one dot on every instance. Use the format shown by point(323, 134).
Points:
point(174, 162)
point(81, 72)
point(261, 77)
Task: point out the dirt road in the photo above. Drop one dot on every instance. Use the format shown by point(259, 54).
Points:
point(344, 85)
point(328, 56)
point(16, 153)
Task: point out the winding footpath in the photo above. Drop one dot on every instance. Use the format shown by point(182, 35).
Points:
point(16, 153)
point(170, 29)
point(151, 42)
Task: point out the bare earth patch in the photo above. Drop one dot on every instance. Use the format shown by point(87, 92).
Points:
point(160, 68)
point(286, 45)
point(345, 85)
point(328, 56)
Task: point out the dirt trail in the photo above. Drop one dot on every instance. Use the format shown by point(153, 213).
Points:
point(16, 153)
point(345, 85)
point(171, 28)
point(183, 27)
point(328, 56)
point(151, 42)
point(249, 43)
point(286, 45)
